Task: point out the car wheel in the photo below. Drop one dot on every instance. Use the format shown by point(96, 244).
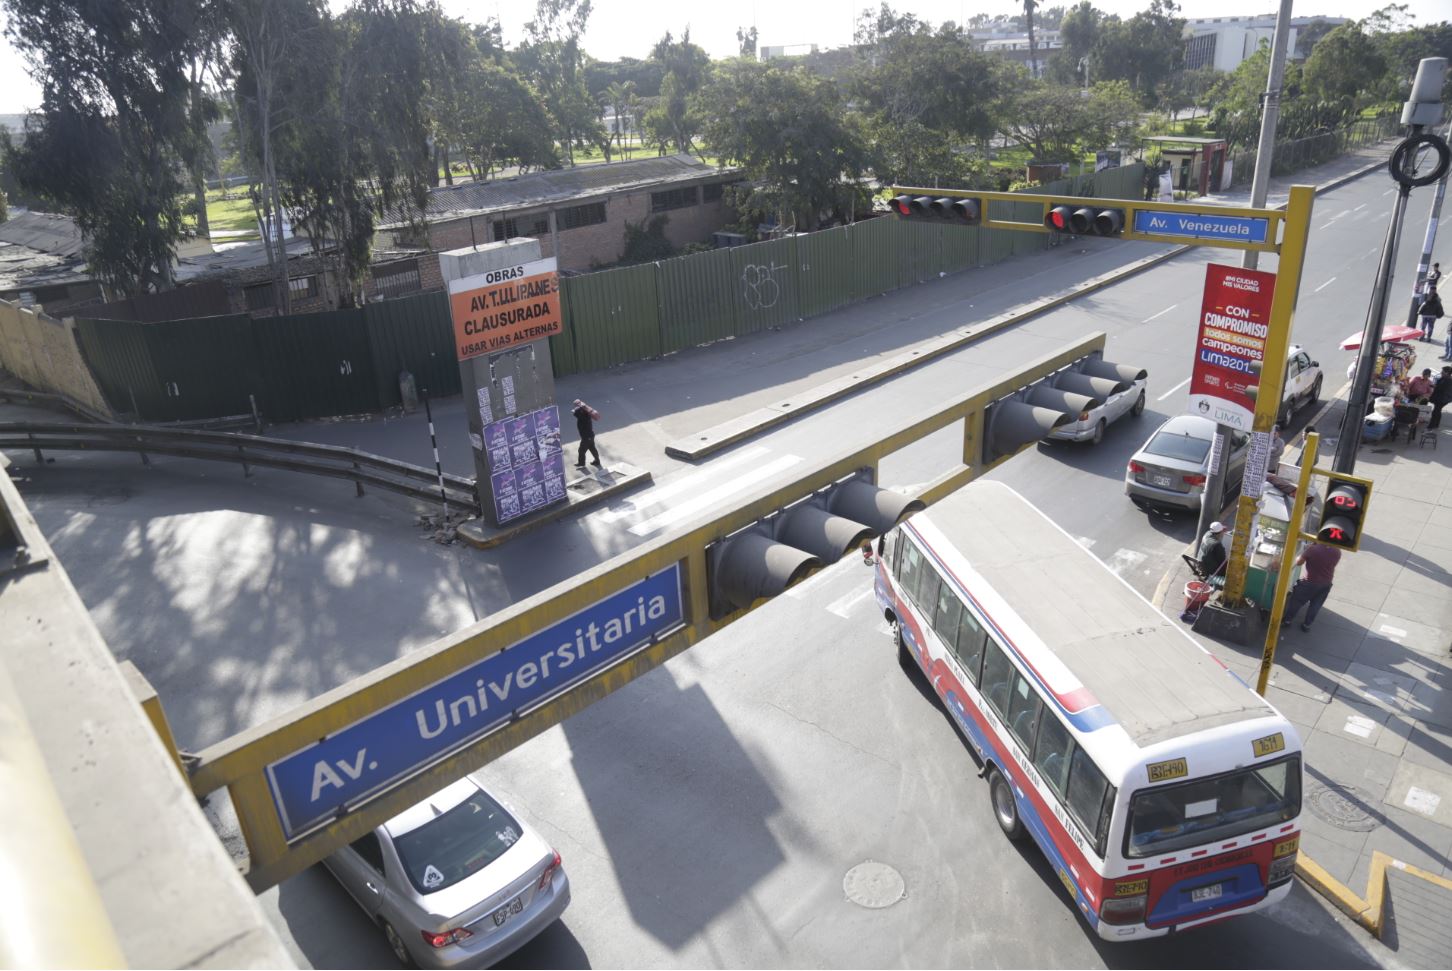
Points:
point(1138, 408)
point(1005, 809)
point(1098, 433)
point(396, 945)
point(1283, 417)
point(1315, 394)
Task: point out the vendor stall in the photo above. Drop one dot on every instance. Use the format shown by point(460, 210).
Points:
point(1269, 532)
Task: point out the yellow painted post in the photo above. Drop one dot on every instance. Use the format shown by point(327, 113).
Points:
point(1288, 561)
point(1273, 370)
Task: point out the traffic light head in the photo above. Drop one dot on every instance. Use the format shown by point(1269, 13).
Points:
point(966, 212)
point(1343, 515)
point(1084, 220)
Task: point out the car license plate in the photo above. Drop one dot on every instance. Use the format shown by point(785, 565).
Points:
point(512, 908)
point(1161, 480)
point(1200, 894)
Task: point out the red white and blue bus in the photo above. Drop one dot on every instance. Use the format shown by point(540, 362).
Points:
point(1164, 791)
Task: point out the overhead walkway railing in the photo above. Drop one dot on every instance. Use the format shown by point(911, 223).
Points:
point(320, 776)
point(361, 468)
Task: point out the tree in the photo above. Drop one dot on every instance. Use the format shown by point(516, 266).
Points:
point(1028, 19)
point(553, 61)
point(1145, 50)
point(502, 121)
point(789, 131)
point(1050, 119)
point(118, 124)
point(746, 40)
point(618, 97)
point(683, 67)
point(1079, 32)
point(1343, 65)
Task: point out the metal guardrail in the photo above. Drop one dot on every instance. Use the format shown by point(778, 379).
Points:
point(362, 468)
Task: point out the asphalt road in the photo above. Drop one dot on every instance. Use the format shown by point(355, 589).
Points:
point(707, 813)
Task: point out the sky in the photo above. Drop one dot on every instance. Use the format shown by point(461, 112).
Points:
point(629, 28)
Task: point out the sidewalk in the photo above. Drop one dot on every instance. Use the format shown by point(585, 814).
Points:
point(1370, 689)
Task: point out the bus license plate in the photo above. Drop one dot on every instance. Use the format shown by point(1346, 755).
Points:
point(1161, 480)
point(515, 906)
point(1201, 894)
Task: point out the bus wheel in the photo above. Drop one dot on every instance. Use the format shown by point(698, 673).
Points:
point(904, 656)
point(1005, 809)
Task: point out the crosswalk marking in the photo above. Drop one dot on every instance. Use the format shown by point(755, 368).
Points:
point(711, 497)
point(843, 605)
point(1123, 561)
point(684, 483)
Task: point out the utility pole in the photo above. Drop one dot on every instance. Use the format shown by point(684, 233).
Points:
point(1259, 188)
point(1423, 108)
point(1428, 241)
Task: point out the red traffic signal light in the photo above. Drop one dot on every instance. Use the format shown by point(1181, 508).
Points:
point(1084, 220)
point(938, 209)
point(1344, 513)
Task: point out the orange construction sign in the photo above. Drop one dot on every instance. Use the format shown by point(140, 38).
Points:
point(503, 308)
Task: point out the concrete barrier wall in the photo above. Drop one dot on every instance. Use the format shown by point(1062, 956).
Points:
point(42, 351)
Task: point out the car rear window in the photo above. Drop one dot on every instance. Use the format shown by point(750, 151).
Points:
point(1178, 446)
point(457, 843)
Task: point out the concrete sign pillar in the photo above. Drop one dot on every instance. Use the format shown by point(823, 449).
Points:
point(505, 304)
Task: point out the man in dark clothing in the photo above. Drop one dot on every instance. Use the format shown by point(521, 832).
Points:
point(1430, 310)
point(585, 418)
point(1312, 589)
point(1441, 394)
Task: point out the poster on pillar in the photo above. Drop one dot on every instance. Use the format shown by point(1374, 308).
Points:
point(1230, 341)
point(526, 464)
point(505, 307)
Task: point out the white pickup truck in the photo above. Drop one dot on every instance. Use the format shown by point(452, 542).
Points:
point(1120, 387)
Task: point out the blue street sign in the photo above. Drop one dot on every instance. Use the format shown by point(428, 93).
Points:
point(1201, 225)
point(314, 784)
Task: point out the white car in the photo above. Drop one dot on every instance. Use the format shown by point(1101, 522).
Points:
point(456, 881)
point(1089, 426)
point(1302, 385)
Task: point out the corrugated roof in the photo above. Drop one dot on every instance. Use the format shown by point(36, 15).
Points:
point(555, 186)
point(44, 232)
point(1149, 674)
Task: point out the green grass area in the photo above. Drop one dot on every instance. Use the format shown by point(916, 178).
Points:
point(233, 213)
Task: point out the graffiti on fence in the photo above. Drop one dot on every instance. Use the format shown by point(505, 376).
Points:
point(758, 285)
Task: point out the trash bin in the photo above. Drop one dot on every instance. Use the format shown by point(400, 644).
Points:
point(1197, 592)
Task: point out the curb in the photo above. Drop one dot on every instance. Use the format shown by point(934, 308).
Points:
point(725, 434)
point(476, 534)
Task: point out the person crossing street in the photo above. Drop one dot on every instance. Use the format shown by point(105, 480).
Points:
point(585, 418)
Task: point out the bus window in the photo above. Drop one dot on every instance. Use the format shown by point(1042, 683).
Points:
point(893, 543)
point(948, 614)
point(1085, 798)
point(997, 674)
point(1051, 753)
point(969, 648)
point(925, 594)
point(1023, 711)
point(1220, 807)
point(910, 566)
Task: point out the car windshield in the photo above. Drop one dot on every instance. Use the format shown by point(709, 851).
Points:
point(1177, 445)
point(457, 843)
point(1203, 811)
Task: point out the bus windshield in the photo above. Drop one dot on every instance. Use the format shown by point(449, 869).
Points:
point(1200, 811)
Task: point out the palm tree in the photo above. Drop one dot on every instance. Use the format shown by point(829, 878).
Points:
point(619, 94)
point(1028, 16)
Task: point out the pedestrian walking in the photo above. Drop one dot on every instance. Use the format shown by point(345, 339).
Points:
point(1435, 276)
point(1277, 449)
point(1314, 587)
point(1211, 553)
point(1430, 310)
point(1441, 394)
point(585, 418)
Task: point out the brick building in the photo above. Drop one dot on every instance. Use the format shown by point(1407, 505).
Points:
point(578, 215)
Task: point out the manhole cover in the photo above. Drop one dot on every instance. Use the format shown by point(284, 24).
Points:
point(874, 885)
point(1344, 807)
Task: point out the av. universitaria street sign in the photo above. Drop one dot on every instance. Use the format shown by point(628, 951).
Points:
point(1230, 343)
point(505, 307)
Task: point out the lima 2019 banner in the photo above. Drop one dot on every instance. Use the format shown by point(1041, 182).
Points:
point(1234, 322)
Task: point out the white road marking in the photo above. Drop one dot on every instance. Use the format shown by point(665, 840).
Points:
point(1161, 313)
point(1324, 285)
point(1391, 631)
point(1173, 390)
point(1388, 192)
point(1327, 223)
point(711, 497)
point(1085, 541)
point(1124, 560)
point(1359, 208)
point(685, 483)
point(842, 606)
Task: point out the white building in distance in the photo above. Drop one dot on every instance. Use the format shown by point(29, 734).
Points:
point(1223, 42)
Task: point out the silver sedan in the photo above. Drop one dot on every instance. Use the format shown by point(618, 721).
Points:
point(1169, 470)
point(456, 881)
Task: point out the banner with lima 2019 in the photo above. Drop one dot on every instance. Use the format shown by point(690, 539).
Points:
point(1229, 342)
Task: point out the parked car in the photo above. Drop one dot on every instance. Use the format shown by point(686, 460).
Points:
point(1302, 384)
point(1169, 470)
point(456, 881)
point(1090, 425)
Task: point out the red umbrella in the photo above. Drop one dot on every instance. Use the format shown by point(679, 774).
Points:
point(1393, 334)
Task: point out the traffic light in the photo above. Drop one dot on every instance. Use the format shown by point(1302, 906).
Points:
point(1084, 220)
point(963, 211)
point(1344, 512)
point(765, 558)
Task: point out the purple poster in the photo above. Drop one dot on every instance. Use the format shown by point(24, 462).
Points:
point(522, 441)
point(496, 445)
point(554, 477)
point(506, 495)
point(531, 486)
point(547, 431)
